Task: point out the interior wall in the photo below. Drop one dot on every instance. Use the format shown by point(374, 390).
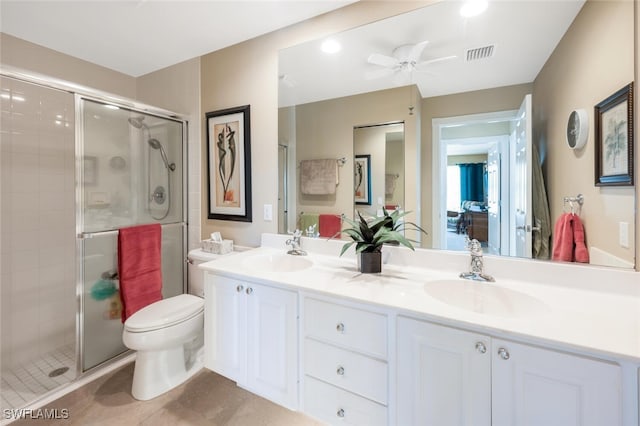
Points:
point(325, 130)
point(572, 79)
point(28, 56)
point(481, 101)
point(247, 74)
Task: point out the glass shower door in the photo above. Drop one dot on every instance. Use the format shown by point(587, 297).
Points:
point(131, 173)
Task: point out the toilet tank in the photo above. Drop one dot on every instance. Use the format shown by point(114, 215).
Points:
point(196, 275)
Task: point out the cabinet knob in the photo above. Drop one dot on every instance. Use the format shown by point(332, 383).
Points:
point(340, 371)
point(239, 288)
point(249, 290)
point(481, 347)
point(340, 327)
point(503, 353)
point(340, 413)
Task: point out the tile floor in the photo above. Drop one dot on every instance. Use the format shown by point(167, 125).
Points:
point(25, 383)
point(206, 399)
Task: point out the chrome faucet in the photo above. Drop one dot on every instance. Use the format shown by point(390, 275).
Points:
point(294, 242)
point(476, 269)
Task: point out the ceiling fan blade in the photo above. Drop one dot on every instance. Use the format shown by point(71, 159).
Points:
point(379, 73)
point(382, 60)
point(416, 51)
point(421, 65)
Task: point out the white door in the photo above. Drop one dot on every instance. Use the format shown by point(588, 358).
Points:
point(493, 197)
point(534, 386)
point(443, 375)
point(272, 329)
point(225, 327)
point(521, 178)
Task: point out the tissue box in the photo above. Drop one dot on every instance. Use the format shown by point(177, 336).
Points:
point(217, 247)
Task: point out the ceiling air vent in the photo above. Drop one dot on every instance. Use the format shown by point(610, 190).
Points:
point(480, 53)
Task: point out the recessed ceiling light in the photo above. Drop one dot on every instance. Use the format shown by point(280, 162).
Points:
point(330, 46)
point(473, 8)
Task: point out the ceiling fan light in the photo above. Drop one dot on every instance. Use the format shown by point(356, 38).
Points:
point(473, 8)
point(330, 46)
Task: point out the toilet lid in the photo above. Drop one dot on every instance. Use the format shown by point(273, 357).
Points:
point(165, 313)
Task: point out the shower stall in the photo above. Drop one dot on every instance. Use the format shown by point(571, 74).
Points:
point(75, 168)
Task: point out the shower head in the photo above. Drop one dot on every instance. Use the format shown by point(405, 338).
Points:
point(137, 122)
point(155, 144)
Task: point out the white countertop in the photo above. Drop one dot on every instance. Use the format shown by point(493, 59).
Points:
point(584, 319)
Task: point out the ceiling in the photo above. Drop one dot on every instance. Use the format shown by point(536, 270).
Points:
point(524, 33)
point(139, 37)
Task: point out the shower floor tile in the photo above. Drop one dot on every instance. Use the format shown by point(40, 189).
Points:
point(24, 384)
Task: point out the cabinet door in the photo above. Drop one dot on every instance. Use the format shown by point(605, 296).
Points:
point(225, 327)
point(534, 386)
point(443, 375)
point(272, 331)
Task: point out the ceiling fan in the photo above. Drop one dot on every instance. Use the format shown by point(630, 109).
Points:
point(405, 59)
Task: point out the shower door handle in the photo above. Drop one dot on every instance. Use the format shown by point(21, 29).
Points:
point(87, 235)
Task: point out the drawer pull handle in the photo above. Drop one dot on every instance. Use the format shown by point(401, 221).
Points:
point(503, 353)
point(340, 371)
point(481, 347)
point(340, 327)
point(340, 413)
point(249, 290)
point(239, 289)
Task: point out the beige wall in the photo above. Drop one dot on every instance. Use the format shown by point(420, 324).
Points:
point(572, 79)
point(481, 101)
point(325, 130)
point(247, 74)
point(27, 56)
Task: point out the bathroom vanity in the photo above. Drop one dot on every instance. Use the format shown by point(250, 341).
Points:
point(545, 344)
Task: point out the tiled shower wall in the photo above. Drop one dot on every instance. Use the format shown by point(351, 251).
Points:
point(37, 229)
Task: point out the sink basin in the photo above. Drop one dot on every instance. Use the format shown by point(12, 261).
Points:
point(484, 298)
point(278, 263)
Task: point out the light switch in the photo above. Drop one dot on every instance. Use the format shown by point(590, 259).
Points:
point(268, 212)
point(624, 234)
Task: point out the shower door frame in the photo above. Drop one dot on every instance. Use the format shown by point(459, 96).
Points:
point(81, 235)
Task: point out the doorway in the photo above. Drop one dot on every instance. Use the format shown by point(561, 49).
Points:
point(478, 206)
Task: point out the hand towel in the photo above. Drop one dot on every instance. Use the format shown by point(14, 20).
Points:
point(581, 253)
point(307, 220)
point(318, 177)
point(330, 225)
point(390, 183)
point(569, 240)
point(563, 239)
point(139, 267)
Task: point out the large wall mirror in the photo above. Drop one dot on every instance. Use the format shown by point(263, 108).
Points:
point(484, 102)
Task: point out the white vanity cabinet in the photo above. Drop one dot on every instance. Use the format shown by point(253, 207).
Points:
point(345, 363)
point(251, 337)
point(443, 375)
point(450, 376)
point(538, 386)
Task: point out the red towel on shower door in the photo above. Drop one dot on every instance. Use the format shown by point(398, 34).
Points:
point(139, 267)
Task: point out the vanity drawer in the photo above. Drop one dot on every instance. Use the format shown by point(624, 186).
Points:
point(333, 405)
point(347, 327)
point(348, 370)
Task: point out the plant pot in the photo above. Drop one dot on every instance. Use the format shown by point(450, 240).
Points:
point(370, 263)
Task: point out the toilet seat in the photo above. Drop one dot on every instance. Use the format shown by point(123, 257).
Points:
point(165, 313)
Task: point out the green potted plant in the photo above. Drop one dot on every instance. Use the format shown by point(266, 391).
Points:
point(369, 237)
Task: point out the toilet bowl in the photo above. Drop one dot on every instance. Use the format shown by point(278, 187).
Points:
point(168, 337)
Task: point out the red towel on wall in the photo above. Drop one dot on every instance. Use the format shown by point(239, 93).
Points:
point(139, 267)
point(568, 240)
point(329, 225)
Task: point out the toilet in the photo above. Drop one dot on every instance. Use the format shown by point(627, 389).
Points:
point(168, 336)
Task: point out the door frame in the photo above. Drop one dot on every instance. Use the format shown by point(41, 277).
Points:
point(439, 165)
